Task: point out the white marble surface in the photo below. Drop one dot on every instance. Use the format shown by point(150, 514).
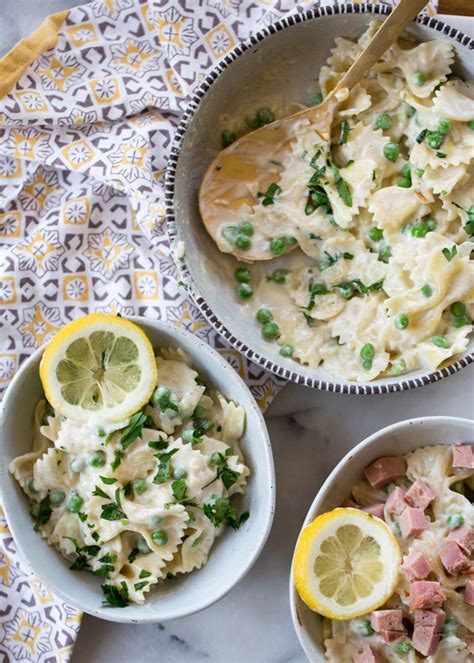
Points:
point(310, 432)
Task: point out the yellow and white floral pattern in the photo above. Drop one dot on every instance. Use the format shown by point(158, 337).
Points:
point(84, 137)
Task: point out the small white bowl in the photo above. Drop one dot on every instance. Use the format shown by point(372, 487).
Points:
point(397, 439)
point(233, 553)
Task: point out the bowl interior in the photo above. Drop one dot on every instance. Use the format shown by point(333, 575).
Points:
point(233, 552)
point(285, 63)
point(398, 439)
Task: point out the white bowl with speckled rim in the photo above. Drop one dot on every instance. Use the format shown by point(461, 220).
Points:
point(397, 439)
point(286, 55)
point(233, 553)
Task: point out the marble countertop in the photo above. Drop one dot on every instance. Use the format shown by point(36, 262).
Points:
point(310, 432)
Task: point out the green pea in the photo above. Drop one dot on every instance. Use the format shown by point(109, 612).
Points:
point(401, 321)
point(404, 183)
point(179, 472)
point(242, 242)
point(434, 139)
point(290, 240)
point(100, 432)
point(143, 546)
point(444, 127)
point(441, 341)
point(159, 537)
point(265, 115)
point(367, 351)
point(427, 290)
point(278, 246)
point(419, 229)
point(227, 137)
point(461, 322)
point(96, 459)
point(264, 315)
point(156, 520)
point(375, 234)
point(406, 171)
point(287, 350)
point(450, 631)
point(383, 122)
point(30, 487)
point(245, 291)
point(246, 228)
point(279, 276)
point(385, 252)
point(270, 330)
point(252, 121)
point(367, 364)
point(431, 224)
point(140, 486)
point(77, 464)
point(229, 233)
point(419, 172)
point(458, 487)
point(402, 648)
point(75, 502)
point(161, 397)
point(364, 627)
point(242, 275)
point(398, 367)
point(470, 125)
point(454, 521)
point(391, 151)
point(35, 509)
point(57, 497)
point(419, 78)
point(410, 111)
point(458, 309)
point(188, 435)
point(345, 290)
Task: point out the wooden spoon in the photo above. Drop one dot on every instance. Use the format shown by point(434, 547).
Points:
point(224, 195)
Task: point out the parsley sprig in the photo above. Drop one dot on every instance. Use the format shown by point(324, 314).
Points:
point(219, 511)
point(164, 467)
point(223, 471)
point(133, 430)
point(113, 510)
point(115, 597)
point(268, 197)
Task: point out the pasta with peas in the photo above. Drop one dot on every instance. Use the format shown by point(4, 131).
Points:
point(382, 219)
point(142, 500)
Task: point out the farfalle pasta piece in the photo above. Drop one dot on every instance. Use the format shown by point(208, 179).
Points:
point(455, 101)
point(393, 206)
point(425, 66)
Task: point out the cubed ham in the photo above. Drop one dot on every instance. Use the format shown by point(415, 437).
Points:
point(392, 636)
point(470, 643)
point(464, 537)
point(427, 633)
point(463, 456)
point(469, 593)
point(426, 594)
point(396, 501)
point(386, 620)
point(412, 522)
point(375, 510)
point(415, 567)
point(454, 560)
point(384, 470)
point(367, 654)
point(419, 495)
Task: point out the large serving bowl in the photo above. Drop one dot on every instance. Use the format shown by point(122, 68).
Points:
point(283, 59)
point(396, 439)
point(233, 552)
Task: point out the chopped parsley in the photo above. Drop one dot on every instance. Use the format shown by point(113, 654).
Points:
point(268, 198)
point(450, 253)
point(41, 512)
point(223, 471)
point(113, 510)
point(219, 511)
point(330, 259)
point(158, 445)
point(98, 492)
point(140, 585)
point(144, 574)
point(118, 455)
point(342, 187)
point(164, 467)
point(107, 480)
point(115, 597)
point(133, 430)
point(345, 128)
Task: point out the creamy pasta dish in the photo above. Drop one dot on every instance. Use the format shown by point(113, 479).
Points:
point(372, 232)
point(143, 500)
point(426, 498)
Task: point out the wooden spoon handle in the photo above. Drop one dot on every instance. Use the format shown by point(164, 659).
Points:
point(389, 31)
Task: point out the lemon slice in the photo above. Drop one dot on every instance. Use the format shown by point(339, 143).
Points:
point(98, 368)
point(346, 563)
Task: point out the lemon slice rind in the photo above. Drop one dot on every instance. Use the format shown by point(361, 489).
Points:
point(80, 329)
point(309, 557)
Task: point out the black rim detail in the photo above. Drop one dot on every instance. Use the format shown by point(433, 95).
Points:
point(183, 270)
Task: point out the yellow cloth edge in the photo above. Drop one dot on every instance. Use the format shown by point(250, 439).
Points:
point(14, 64)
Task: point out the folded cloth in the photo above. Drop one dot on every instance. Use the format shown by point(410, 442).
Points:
point(88, 105)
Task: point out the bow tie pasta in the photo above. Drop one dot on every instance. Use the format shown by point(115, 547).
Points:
point(383, 216)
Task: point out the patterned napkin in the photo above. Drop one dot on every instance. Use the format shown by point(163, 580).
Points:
point(88, 105)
